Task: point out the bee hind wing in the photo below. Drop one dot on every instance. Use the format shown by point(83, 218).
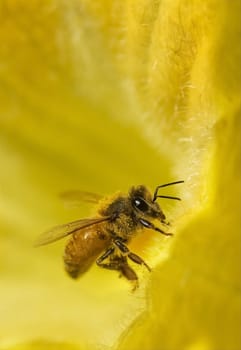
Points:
point(61, 231)
point(75, 197)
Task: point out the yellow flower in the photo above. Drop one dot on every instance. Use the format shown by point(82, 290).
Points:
point(101, 95)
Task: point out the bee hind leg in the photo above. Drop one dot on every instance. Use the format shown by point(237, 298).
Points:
point(130, 275)
point(114, 263)
point(118, 263)
point(135, 258)
point(111, 265)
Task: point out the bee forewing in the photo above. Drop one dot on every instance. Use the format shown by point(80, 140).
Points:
point(61, 231)
point(76, 197)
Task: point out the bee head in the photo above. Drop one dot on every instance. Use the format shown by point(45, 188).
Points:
point(143, 204)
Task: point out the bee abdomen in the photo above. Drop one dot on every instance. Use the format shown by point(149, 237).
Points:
point(81, 251)
point(75, 260)
point(76, 267)
point(72, 269)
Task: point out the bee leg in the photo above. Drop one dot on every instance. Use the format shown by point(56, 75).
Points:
point(125, 270)
point(130, 275)
point(114, 264)
point(109, 266)
point(149, 225)
point(119, 263)
point(106, 254)
point(135, 258)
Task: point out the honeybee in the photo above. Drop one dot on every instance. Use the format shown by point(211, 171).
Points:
point(105, 238)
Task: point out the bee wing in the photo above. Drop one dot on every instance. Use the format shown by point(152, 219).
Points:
point(76, 197)
point(61, 231)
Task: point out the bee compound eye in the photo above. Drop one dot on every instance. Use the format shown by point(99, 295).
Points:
point(140, 204)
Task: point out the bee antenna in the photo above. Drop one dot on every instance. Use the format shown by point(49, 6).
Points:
point(169, 197)
point(155, 196)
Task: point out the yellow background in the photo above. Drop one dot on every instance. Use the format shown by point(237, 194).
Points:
point(101, 95)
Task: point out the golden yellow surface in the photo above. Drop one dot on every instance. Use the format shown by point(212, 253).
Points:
point(102, 95)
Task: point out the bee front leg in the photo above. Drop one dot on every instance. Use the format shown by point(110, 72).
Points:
point(135, 258)
point(149, 225)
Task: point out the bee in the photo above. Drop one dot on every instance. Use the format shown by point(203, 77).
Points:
point(104, 239)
